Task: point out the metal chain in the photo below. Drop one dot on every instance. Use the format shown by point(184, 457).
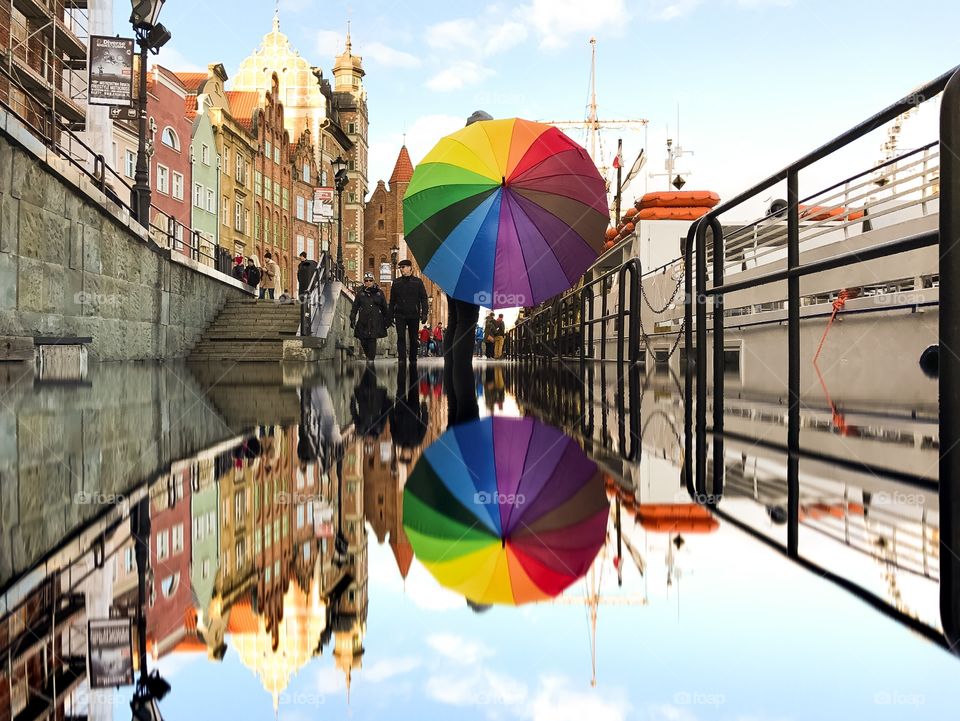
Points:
point(673, 296)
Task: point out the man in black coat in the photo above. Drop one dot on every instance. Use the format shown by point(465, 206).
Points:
point(305, 272)
point(408, 308)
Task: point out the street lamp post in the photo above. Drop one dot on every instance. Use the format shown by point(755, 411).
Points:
point(394, 254)
point(151, 36)
point(340, 181)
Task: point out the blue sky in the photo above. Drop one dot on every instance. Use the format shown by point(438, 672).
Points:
point(758, 82)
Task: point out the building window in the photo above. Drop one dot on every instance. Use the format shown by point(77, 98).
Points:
point(351, 128)
point(178, 538)
point(241, 170)
point(276, 193)
point(178, 186)
point(163, 545)
point(266, 228)
point(256, 223)
point(239, 505)
point(286, 199)
point(306, 172)
point(246, 222)
point(301, 247)
point(205, 154)
point(379, 225)
point(170, 139)
point(163, 179)
point(226, 160)
point(211, 202)
point(268, 149)
point(129, 163)
point(238, 215)
point(197, 195)
point(258, 183)
point(370, 262)
point(267, 189)
point(301, 208)
point(351, 165)
point(239, 552)
point(276, 154)
point(352, 197)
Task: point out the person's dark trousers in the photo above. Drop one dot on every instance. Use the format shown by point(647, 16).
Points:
point(488, 348)
point(407, 340)
point(461, 332)
point(369, 346)
point(267, 291)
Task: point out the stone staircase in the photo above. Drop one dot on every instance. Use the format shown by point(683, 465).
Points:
point(248, 330)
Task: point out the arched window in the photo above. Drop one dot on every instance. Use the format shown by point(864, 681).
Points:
point(170, 139)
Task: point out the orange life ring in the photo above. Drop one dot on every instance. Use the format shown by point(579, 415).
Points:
point(679, 199)
point(672, 213)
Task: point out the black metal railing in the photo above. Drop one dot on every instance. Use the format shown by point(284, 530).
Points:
point(311, 301)
point(57, 136)
point(705, 289)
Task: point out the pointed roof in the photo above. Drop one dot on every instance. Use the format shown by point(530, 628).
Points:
point(403, 554)
point(403, 169)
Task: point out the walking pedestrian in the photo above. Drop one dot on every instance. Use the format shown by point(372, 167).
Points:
point(253, 273)
point(408, 308)
point(478, 342)
point(425, 340)
point(438, 337)
point(271, 277)
point(499, 332)
point(369, 316)
point(489, 326)
point(305, 273)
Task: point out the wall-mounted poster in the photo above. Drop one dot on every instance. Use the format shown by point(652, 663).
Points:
point(110, 71)
point(322, 205)
point(110, 652)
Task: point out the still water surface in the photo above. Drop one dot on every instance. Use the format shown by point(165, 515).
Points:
point(361, 545)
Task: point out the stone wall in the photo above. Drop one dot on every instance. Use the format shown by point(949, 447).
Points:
point(73, 263)
point(65, 451)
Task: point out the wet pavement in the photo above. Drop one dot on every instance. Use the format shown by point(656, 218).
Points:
point(360, 544)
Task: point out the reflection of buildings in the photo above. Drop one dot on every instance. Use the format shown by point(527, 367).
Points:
point(169, 593)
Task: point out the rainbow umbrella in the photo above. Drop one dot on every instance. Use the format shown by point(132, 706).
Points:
point(505, 510)
point(505, 213)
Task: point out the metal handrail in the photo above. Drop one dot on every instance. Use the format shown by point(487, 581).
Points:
point(311, 302)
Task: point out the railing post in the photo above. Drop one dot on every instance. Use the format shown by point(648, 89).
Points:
point(793, 362)
point(718, 364)
point(636, 341)
point(949, 361)
point(688, 357)
point(701, 367)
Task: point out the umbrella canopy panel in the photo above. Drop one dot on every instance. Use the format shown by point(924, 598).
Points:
point(505, 213)
point(505, 510)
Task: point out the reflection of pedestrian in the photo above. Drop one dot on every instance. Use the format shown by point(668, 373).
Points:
point(369, 316)
point(369, 405)
point(409, 415)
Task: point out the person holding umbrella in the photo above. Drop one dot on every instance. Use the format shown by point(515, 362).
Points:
point(369, 316)
point(408, 308)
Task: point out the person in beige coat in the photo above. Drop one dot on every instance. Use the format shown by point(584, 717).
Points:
point(271, 277)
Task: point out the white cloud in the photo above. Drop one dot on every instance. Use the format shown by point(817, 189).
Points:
point(481, 687)
point(459, 75)
point(480, 37)
point(672, 9)
point(384, 54)
point(556, 21)
point(458, 649)
point(555, 701)
point(387, 668)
